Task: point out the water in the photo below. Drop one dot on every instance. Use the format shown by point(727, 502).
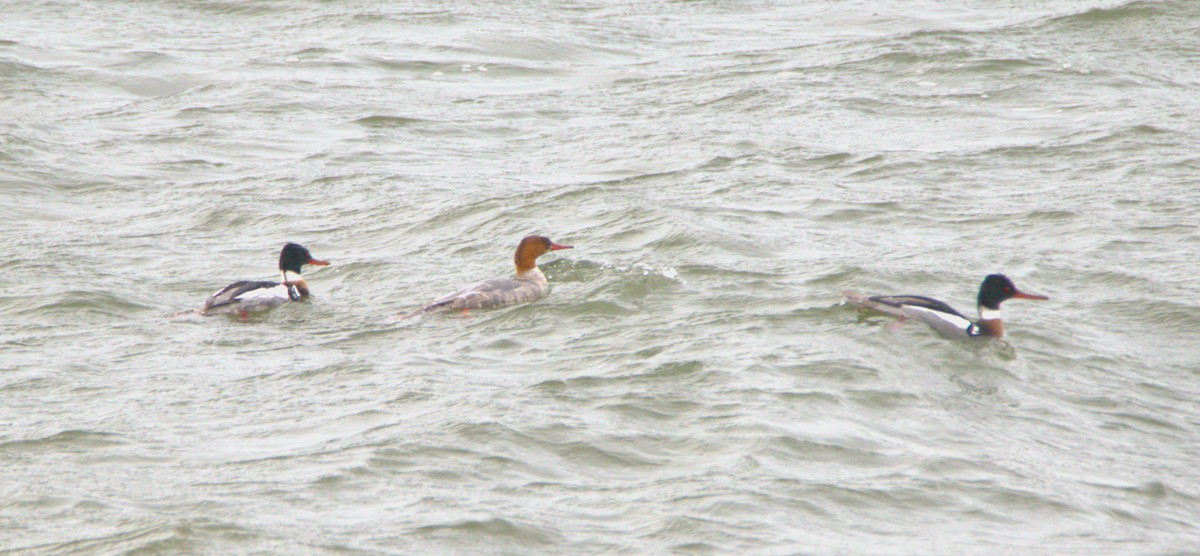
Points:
point(692, 384)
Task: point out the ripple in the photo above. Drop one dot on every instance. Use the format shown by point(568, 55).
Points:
point(65, 441)
point(76, 303)
point(489, 531)
point(387, 121)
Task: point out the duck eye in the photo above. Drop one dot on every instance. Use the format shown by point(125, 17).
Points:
point(1007, 289)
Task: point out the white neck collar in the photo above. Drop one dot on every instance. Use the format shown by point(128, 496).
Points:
point(989, 314)
point(289, 276)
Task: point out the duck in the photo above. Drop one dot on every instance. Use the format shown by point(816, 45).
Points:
point(527, 285)
point(245, 297)
point(995, 289)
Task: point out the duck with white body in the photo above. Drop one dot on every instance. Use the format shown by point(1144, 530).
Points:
point(995, 289)
point(247, 297)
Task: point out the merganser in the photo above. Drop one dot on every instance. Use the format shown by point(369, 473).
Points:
point(528, 285)
point(246, 297)
point(996, 289)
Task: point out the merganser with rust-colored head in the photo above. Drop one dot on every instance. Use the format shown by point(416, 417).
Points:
point(996, 289)
point(247, 297)
point(529, 284)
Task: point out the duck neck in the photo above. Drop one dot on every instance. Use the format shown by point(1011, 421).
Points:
point(297, 288)
point(990, 321)
point(289, 277)
point(525, 261)
point(532, 275)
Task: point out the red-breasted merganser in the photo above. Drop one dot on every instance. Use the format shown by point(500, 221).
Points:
point(528, 285)
point(246, 297)
point(996, 289)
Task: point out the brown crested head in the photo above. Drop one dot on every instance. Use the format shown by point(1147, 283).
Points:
point(532, 247)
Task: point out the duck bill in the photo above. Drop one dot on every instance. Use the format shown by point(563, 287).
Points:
point(556, 247)
point(1034, 296)
point(315, 262)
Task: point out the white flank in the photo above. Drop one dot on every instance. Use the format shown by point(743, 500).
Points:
point(277, 291)
point(929, 315)
point(944, 323)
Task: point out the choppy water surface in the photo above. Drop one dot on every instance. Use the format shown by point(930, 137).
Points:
point(692, 384)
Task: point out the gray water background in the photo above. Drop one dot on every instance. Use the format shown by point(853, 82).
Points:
point(692, 383)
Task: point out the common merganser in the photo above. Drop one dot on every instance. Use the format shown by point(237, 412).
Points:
point(529, 284)
point(996, 289)
point(246, 297)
